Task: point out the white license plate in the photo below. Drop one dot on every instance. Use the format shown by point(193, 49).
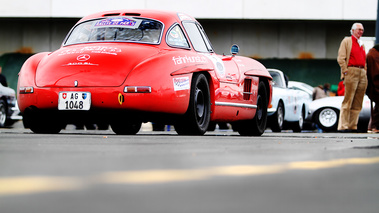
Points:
point(74, 101)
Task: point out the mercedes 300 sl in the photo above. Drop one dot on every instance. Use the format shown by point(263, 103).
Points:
point(124, 68)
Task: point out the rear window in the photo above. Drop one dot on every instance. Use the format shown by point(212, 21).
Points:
point(117, 29)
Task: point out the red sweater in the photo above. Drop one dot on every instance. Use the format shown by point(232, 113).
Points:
point(357, 55)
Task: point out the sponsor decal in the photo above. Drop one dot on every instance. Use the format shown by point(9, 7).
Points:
point(181, 83)
point(118, 22)
point(188, 59)
point(218, 64)
point(91, 49)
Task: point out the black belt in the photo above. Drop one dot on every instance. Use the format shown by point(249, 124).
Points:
point(361, 67)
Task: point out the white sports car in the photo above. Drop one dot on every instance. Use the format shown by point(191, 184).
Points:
point(301, 86)
point(9, 112)
point(289, 106)
point(325, 113)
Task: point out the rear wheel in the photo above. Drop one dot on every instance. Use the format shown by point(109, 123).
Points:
point(197, 117)
point(257, 125)
point(327, 119)
point(41, 123)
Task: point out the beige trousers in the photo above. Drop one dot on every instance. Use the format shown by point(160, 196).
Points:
point(355, 87)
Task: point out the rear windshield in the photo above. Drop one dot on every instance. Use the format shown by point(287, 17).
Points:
point(117, 29)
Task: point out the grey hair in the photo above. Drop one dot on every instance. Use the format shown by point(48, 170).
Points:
point(354, 27)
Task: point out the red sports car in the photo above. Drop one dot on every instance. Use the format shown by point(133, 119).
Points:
point(127, 67)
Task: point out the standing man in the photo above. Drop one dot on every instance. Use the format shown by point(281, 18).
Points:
point(373, 85)
point(352, 60)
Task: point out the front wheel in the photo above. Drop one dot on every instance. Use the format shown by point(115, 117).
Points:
point(197, 118)
point(257, 125)
point(3, 114)
point(327, 119)
point(277, 120)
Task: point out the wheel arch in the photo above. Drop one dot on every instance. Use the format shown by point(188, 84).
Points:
point(211, 86)
point(268, 88)
point(304, 108)
point(284, 107)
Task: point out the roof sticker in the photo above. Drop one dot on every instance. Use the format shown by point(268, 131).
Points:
point(118, 22)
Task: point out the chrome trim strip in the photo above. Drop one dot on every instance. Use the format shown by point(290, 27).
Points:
point(236, 105)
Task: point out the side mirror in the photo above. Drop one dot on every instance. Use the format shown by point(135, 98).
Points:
point(234, 50)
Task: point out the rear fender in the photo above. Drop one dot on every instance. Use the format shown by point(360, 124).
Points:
point(26, 78)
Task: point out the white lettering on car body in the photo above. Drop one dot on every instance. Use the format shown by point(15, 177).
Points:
point(188, 59)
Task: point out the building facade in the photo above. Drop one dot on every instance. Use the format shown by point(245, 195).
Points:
point(273, 31)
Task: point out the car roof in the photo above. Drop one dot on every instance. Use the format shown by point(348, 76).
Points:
point(163, 16)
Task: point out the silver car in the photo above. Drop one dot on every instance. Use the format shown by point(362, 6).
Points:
point(9, 112)
point(325, 113)
point(289, 105)
point(301, 86)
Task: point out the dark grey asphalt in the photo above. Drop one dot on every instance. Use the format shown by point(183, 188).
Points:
point(91, 171)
